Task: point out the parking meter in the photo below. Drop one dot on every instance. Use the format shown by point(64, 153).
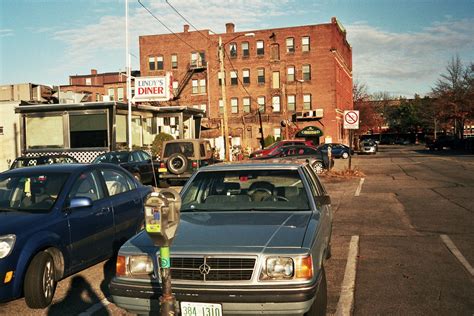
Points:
point(162, 216)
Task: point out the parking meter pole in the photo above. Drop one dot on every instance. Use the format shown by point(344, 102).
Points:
point(162, 216)
point(167, 299)
point(350, 149)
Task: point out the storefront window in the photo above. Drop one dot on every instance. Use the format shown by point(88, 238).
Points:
point(44, 132)
point(88, 130)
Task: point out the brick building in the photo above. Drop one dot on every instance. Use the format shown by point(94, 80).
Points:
point(293, 72)
point(98, 87)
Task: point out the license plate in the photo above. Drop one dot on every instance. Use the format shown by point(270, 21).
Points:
point(200, 309)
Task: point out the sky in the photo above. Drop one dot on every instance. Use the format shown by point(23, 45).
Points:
point(399, 46)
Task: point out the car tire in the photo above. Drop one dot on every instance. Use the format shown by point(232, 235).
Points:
point(345, 155)
point(318, 167)
point(321, 300)
point(177, 163)
point(40, 281)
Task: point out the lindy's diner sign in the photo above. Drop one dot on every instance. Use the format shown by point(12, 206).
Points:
point(153, 89)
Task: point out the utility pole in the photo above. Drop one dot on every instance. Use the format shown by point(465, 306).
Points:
point(129, 88)
point(224, 100)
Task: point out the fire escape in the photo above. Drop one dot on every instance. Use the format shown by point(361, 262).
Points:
point(196, 66)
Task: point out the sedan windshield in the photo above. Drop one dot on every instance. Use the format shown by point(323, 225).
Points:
point(246, 190)
point(30, 191)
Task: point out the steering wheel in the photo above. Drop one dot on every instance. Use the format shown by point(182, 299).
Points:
point(275, 198)
point(262, 190)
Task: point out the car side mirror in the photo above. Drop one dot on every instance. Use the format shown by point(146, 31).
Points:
point(324, 200)
point(79, 202)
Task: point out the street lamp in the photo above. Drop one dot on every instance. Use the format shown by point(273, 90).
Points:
point(223, 91)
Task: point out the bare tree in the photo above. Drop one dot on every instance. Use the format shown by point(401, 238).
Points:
point(453, 91)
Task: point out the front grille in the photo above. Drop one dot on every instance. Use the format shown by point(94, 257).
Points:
point(212, 268)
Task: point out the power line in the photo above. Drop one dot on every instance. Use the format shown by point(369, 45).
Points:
point(151, 13)
point(175, 10)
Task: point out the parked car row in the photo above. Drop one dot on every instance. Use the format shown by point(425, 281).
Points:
point(272, 219)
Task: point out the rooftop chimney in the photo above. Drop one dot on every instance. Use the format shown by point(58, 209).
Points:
point(229, 27)
point(186, 28)
point(93, 71)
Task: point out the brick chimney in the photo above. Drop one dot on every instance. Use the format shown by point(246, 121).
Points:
point(186, 28)
point(229, 27)
point(93, 71)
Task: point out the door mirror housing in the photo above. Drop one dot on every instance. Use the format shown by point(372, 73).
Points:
point(324, 200)
point(79, 202)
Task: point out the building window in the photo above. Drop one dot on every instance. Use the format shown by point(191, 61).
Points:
point(276, 103)
point(97, 97)
point(260, 48)
point(233, 78)
point(202, 86)
point(120, 94)
point(277, 133)
point(88, 130)
point(234, 105)
point(246, 105)
point(194, 59)
point(36, 138)
point(195, 85)
point(151, 63)
point(290, 45)
point(221, 107)
point(111, 94)
point(88, 81)
point(305, 44)
point(306, 72)
point(174, 61)
point(245, 49)
point(246, 76)
point(290, 74)
point(233, 50)
point(159, 61)
point(1, 130)
point(175, 87)
point(221, 77)
point(276, 80)
point(261, 104)
point(261, 75)
point(291, 102)
point(275, 52)
point(306, 101)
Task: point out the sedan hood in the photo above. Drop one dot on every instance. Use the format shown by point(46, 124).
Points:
point(13, 222)
point(234, 232)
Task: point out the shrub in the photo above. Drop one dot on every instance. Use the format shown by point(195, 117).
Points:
point(157, 145)
point(270, 139)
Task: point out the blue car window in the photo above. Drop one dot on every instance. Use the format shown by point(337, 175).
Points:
point(116, 181)
point(87, 185)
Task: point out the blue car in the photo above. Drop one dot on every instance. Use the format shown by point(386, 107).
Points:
point(56, 220)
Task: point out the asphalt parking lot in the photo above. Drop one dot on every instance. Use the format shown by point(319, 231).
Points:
point(396, 227)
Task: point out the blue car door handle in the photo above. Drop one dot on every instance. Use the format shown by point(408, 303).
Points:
point(103, 211)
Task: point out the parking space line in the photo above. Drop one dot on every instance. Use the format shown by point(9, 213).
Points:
point(345, 305)
point(455, 251)
point(96, 307)
point(359, 188)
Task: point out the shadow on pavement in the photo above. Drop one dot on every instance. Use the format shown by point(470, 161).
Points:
point(109, 273)
point(79, 297)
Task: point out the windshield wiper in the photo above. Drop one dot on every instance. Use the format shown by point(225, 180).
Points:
point(7, 209)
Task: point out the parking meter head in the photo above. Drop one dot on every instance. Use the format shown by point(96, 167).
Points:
point(162, 216)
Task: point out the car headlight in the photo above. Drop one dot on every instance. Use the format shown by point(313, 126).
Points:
point(140, 266)
point(6, 245)
point(287, 268)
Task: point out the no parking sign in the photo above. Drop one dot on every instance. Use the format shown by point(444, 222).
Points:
point(351, 119)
